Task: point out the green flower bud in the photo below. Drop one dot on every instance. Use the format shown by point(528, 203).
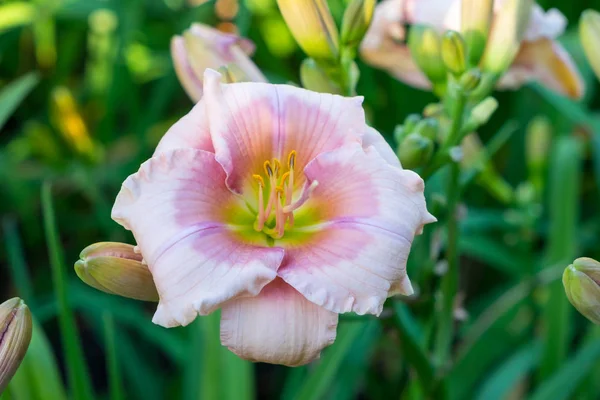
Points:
point(312, 26)
point(481, 113)
point(454, 53)
point(470, 80)
point(580, 280)
point(411, 121)
point(314, 78)
point(428, 128)
point(476, 19)
point(504, 43)
point(425, 47)
point(356, 22)
point(400, 133)
point(433, 110)
point(589, 32)
point(415, 151)
point(116, 268)
point(15, 328)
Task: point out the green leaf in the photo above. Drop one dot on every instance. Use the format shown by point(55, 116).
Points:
point(78, 376)
point(14, 93)
point(510, 373)
point(16, 14)
point(563, 383)
point(16, 260)
point(115, 383)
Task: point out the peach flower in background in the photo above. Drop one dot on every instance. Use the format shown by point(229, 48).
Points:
point(279, 206)
point(202, 47)
point(540, 57)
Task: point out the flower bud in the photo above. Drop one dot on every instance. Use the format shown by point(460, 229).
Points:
point(15, 328)
point(589, 32)
point(481, 113)
point(470, 80)
point(314, 78)
point(415, 151)
point(411, 121)
point(580, 280)
point(312, 26)
point(454, 53)
point(116, 268)
point(476, 18)
point(356, 21)
point(504, 43)
point(537, 146)
point(433, 110)
point(425, 47)
point(428, 128)
point(203, 47)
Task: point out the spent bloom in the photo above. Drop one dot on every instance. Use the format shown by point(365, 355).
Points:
point(279, 206)
point(582, 286)
point(202, 47)
point(540, 57)
point(15, 335)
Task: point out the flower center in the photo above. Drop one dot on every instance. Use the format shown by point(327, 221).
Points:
point(275, 197)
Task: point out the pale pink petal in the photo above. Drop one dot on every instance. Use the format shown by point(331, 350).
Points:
point(184, 70)
point(371, 212)
point(251, 123)
point(278, 326)
point(176, 206)
point(547, 62)
point(374, 139)
point(191, 131)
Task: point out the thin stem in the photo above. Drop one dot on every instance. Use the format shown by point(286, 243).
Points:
point(449, 285)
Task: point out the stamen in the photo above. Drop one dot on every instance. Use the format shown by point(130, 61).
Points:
point(260, 218)
point(279, 216)
point(306, 192)
point(276, 167)
point(268, 168)
point(292, 159)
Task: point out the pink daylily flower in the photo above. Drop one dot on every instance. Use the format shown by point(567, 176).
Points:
point(540, 58)
point(281, 207)
point(202, 47)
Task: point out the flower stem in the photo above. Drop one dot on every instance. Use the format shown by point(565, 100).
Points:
point(449, 284)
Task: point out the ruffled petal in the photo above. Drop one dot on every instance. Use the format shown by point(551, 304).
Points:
point(547, 62)
point(191, 131)
point(357, 257)
point(278, 326)
point(251, 123)
point(176, 205)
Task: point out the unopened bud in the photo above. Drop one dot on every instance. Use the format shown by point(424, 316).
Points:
point(428, 128)
point(356, 22)
point(314, 78)
point(116, 268)
point(580, 280)
point(415, 151)
point(476, 18)
point(411, 121)
point(537, 146)
point(399, 134)
point(15, 335)
point(433, 110)
point(481, 113)
point(454, 53)
point(312, 26)
point(589, 32)
point(504, 43)
point(470, 80)
point(425, 47)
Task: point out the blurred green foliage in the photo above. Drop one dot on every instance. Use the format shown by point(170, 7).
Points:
point(86, 91)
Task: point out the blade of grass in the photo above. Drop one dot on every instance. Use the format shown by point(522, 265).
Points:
point(564, 182)
point(115, 383)
point(13, 94)
point(79, 380)
point(319, 380)
point(16, 260)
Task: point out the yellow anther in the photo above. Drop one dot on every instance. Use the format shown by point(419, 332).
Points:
point(276, 167)
point(279, 190)
point(259, 179)
point(268, 168)
point(292, 159)
point(283, 178)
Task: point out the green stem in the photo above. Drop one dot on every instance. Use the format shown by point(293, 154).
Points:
point(449, 285)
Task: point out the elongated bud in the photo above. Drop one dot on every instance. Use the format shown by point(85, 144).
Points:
point(202, 47)
point(415, 151)
point(15, 335)
point(454, 53)
point(312, 26)
point(481, 113)
point(537, 145)
point(476, 19)
point(315, 78)
point(425, 47)
point(580, 280)
point(470, 80)
point(504, 42)
point(356, 22)
point(589, 32)
point(116, 268)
